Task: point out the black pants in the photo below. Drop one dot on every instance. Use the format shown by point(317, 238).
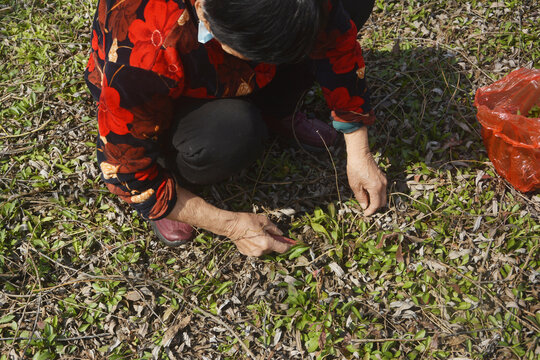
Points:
point(212, 139)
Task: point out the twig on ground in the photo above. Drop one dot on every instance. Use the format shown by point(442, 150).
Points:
point(88, 337)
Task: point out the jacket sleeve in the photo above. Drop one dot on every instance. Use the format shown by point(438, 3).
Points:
point(340, 69)
point(134, 111)
point(134, 83)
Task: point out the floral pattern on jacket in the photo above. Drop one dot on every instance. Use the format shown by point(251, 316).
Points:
point(145, 54)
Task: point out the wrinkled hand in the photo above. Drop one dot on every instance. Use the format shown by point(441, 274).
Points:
point(367, 181)
point(252, 234)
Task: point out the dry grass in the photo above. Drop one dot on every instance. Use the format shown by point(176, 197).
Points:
point(449, 270)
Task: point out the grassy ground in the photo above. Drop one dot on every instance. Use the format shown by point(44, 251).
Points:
point(449, 270)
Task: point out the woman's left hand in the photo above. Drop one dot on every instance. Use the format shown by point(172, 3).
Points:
point(366, 179)
point(367, 182)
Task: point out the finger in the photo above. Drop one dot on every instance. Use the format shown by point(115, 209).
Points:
point(263, 244)
point(271, 228)
point(248, 250)
point(268, 225)
point(376, 201)
point(371, 210)
point(363, 198)
point(279, 246)
point(254, 245)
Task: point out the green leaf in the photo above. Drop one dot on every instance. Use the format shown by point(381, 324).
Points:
point(519, 351)
point(313, 342)
point(6, 319)
point(297, 251)
point(223, 288)
point(318, 228)
point(64, 168)
point(83, 327)
point(356, 312)
point(42, 355)
point(407, 284)
point(332, 210)
point(387, 345)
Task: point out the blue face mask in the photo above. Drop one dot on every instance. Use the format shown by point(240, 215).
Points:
point(204, 35)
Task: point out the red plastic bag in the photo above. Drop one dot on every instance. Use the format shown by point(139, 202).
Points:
point(511, 138)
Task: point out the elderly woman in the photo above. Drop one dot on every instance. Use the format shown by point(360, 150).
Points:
point(189, 89)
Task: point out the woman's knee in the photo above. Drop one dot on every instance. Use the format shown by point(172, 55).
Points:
point(218, 139)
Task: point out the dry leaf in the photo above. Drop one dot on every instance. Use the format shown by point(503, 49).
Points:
point(172, 331)
point(133, 296)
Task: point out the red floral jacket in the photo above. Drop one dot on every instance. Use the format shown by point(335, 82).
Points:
point(145, 54)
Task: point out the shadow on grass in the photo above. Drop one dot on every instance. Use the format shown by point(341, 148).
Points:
point(423, 100)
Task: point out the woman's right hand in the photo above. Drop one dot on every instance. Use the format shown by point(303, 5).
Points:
point(252, 234)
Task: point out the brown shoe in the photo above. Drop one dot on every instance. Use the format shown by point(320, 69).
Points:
point(172, 233)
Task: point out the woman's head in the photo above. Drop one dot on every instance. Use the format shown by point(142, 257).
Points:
point(271, 31)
